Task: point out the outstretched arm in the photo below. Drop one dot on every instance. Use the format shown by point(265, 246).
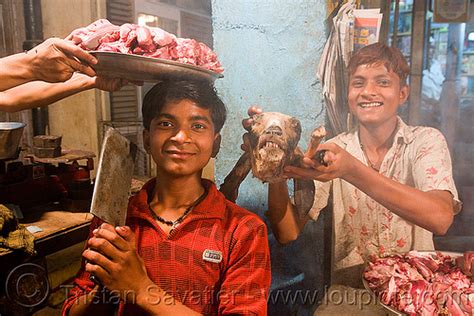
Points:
point(431, 209)
point(40, 93)
point(54, 60)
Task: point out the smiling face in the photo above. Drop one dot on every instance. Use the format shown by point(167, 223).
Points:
point(181, 139)
point(375, 94)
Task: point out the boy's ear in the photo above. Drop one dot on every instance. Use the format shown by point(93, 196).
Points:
point(146, 140)
point(216, 145)
point(404, 93)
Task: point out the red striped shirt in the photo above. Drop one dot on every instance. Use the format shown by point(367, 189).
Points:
point(216, 262)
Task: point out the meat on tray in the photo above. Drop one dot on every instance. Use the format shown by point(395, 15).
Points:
point(145, 41)
point(421, 284)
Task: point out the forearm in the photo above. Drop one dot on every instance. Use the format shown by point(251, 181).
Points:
point(15, 70)
point(430, 210)
point(92, 303)
point(40, 93)
point(155, 301)
point(286, 225)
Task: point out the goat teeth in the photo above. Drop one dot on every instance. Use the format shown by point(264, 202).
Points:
point(271, 145)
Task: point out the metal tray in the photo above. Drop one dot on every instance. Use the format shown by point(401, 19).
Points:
point(392, 309)
point(141, 68)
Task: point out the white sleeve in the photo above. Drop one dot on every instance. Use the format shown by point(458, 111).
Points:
point(321, 198)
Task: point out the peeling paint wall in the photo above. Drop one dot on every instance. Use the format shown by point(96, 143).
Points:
point(270, 50)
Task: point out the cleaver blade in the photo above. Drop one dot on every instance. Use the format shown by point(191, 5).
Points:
point(114, 177)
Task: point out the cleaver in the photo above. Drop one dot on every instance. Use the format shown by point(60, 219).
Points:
point(114, 177)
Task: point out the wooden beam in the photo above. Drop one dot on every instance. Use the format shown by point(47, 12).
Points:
point(416, 61)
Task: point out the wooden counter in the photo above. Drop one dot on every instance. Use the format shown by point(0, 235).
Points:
point(61, 229)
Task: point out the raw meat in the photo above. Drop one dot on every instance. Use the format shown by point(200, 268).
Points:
point(145, 41)
point(421, 284)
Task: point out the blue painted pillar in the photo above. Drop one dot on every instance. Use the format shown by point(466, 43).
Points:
point(270, 50)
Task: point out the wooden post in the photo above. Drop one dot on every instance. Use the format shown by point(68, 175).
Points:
point(449, 101)
point(416, 65)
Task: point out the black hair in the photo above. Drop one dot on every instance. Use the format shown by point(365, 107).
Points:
point(379, 53)
point(202, 93)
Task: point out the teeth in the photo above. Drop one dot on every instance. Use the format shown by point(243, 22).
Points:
point(271, 145)
point(370, 105)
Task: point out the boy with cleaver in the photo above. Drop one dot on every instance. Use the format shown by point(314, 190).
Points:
point(186, 250)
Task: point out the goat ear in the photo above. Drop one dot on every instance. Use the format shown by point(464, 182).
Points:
point(231, 184)
point(296, 125)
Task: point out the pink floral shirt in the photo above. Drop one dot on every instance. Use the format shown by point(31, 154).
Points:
point(419, 157)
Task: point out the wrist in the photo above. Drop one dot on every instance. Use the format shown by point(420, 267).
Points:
point(82, 81)
point(24, 65)
point(278, 186)
point(354, 172)
point(149, 295)
point(278, 198)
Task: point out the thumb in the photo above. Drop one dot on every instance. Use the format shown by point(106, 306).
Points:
point(308, 162)
point(327, 146)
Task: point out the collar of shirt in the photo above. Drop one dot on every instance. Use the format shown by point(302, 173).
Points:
point(213, 206)
point(404, 134)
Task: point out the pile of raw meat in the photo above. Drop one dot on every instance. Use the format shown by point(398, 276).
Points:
point(421, 284)
point(145, 41)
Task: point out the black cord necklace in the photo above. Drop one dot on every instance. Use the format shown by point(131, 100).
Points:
point(178, 221)
point(373, 166)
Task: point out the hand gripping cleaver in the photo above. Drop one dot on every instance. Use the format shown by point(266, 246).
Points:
point(114, 177)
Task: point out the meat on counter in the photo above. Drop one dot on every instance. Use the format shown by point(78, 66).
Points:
point(421, 284)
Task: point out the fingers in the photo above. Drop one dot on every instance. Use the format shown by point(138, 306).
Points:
point(300, 173)
point(329, 146)
point(77, 66)
point(126, 233)
point(97, 271)
point(309, 162)
point(314, 171)
point(107, 235)
point(329, 158)
point(55, 60)
point(109, 84)
point(97, 262)
point(74, 38)
point(72, 50)
point(247, 123)
point(245, 143)
point(135, 82)
point(330, 153)
point(254, 109)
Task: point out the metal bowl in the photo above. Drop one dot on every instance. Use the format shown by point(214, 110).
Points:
point(10, 135)
point(142, 68)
